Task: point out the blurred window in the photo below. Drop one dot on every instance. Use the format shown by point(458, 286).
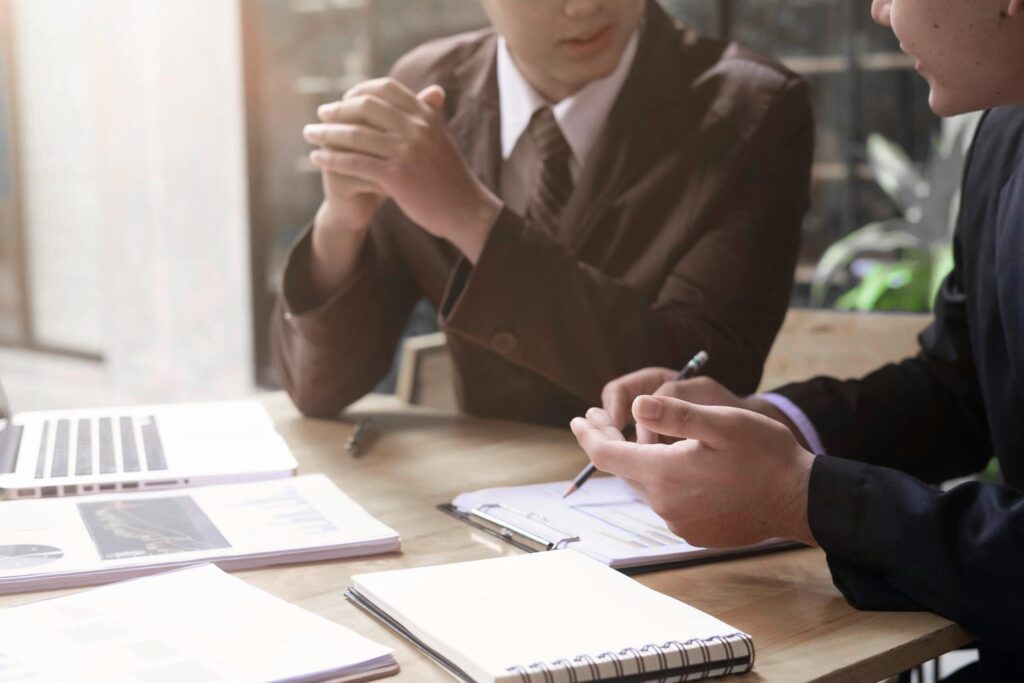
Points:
point(13, 301)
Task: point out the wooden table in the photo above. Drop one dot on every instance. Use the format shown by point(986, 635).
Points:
point(802, 628)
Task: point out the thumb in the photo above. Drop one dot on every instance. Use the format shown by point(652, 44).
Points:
point(713, 425)
point(432, 96)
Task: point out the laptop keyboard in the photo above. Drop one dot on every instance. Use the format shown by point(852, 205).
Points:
point(130, 456)
point(41, 460)
point(78, 449)
point(59, 459)
point(108, 463)
point(83, 452)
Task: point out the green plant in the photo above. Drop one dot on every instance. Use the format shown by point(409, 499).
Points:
point(908, 255)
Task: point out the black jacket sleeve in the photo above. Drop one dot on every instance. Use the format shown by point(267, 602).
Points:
point(896, 543)
point(924, 415)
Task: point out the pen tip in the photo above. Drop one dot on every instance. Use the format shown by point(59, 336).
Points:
point(569, 491)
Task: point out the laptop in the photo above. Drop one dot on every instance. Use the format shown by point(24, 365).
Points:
point(67, 452)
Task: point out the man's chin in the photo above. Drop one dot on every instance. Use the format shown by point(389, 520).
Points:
point(944, 104)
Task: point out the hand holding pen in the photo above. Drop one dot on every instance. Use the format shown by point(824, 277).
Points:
point(691, 369)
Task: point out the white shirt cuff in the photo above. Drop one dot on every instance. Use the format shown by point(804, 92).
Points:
point(798, 418)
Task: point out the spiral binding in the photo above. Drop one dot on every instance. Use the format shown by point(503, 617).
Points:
point(676, 661)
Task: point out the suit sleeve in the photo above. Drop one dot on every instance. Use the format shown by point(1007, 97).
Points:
point(924, 416)
point(331, 354)
point(894, 542)
point(726, 295)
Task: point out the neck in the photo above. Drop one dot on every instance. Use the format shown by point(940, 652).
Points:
point(550, 89)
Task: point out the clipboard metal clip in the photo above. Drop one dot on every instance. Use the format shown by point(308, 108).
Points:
point(516, 534)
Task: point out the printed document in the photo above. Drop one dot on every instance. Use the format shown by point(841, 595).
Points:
point(196, 624)
point(61, 542)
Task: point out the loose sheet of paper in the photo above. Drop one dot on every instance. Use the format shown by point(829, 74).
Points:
point(197, 624)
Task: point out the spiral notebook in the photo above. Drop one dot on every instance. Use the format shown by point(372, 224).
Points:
point(551, 618)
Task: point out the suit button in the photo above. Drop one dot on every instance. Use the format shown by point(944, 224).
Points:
point(505, 343)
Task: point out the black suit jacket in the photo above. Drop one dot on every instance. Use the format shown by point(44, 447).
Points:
point(893, 541)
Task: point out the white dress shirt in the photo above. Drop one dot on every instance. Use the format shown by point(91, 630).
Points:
point(799, 419)
point(580, 116)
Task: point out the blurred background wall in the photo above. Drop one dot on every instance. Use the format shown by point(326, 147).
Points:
point(131, 180)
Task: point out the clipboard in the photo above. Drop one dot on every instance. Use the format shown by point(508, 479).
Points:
point(483, 518)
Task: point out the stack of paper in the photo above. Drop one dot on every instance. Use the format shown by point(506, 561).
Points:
point(196, 624)
point(59, 542)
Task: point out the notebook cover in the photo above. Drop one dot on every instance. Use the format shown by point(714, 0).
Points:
point(650, 677)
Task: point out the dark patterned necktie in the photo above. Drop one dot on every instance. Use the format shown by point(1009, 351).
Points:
point(552, 184)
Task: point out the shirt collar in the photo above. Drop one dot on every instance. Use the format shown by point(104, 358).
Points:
point(580, 116)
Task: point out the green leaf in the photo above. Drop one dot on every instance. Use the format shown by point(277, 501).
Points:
point(905, 285)
point(889, 287)
point(881, 237)
point(942, 265)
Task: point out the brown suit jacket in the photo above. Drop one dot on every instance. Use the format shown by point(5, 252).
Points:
point(681, 235)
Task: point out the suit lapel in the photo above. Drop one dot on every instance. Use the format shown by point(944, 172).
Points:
point(475, 119)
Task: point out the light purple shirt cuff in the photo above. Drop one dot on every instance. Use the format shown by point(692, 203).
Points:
point(798, 418)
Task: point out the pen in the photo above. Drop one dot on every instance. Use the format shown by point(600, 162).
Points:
point(355, 442)
point(691, 369)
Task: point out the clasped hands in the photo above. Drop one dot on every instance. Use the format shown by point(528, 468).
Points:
point(719, 469)
point(382, 140)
